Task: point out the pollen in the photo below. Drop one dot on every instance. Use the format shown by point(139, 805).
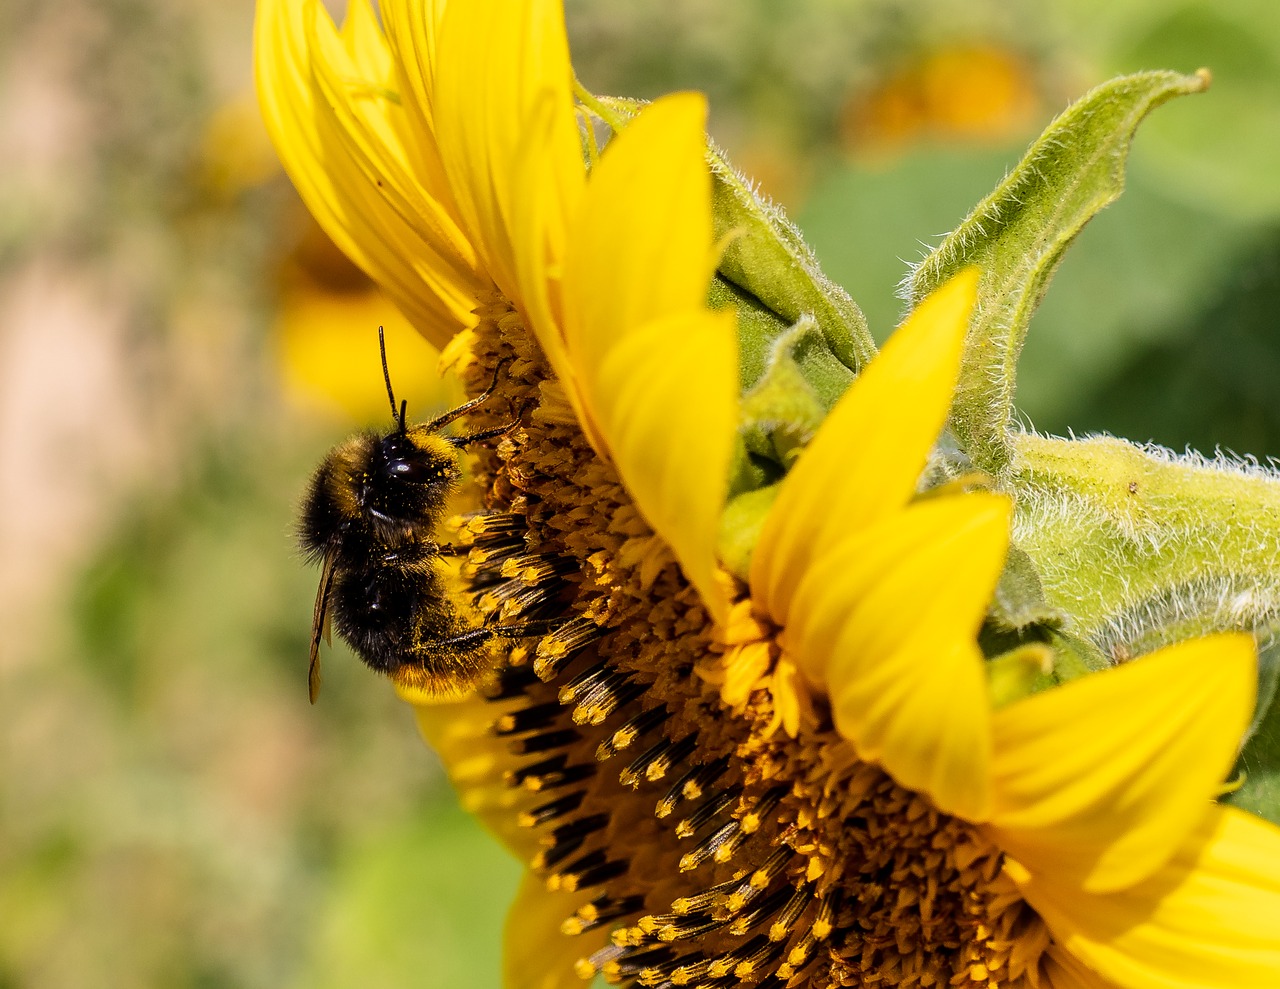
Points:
point(641, 751)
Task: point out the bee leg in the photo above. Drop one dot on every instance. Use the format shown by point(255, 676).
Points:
point(442, 420)
point(523, 630)
point(488, 434)
point(477, 636)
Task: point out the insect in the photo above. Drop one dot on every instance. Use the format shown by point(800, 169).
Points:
point(369, 518)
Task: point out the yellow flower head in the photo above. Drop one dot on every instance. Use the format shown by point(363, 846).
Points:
point(797, 782)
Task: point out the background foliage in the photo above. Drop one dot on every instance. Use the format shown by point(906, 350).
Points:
point(178, 346)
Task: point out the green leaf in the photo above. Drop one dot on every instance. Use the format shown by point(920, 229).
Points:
point(765, 257)
point(1018, 234)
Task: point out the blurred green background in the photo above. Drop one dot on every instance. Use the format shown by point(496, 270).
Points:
point(176, 352)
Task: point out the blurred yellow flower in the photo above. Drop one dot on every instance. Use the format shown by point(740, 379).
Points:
point(958, 93)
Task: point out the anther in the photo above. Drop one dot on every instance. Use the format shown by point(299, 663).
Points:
point(722, 966)
point(587, 681)
point(638, 769)
point(547, 858)
point(631, 963)
point(690, 786)
point(709, 809)
point(561, 645)
point(707, 898)
point(709, 846)
point(532, 570)
point(690, 971)
point(786, 918)
point(601, 910)
point(765, 806)
point(755, 955)
point(491, 527)
point(589, 968)
point(590, 870)
point(765, 908)
point(662, 763)
point(636, 727)
point(511, 599)
point(760, 880)
point(607, 698)
point(548, 774)
point(551, 811)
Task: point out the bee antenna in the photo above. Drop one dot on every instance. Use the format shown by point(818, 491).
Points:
point(386, 376)
point(402, 408)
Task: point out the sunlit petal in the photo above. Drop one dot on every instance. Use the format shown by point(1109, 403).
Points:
point(642, 244)
point(497, 62)
point(866, 458)
point(656, 370)
point(327, 104)
point(1065, 971)
point(1099, 781)
point(1206, 919)
point(891, 634)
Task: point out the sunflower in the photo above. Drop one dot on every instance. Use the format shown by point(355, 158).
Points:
point(799, 779)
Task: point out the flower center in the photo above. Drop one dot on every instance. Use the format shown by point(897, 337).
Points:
point(692, 843)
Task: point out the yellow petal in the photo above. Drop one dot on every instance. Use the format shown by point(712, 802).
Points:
point(1099, 781)
point(345, 145)
point(667, 396)
point(656, 371)
point(1209, 918)
point(536, 954)
point(1065, 971)
point(413, 29)
point(885, 620)
point(533, 219)
point(497, 61)
point(866, 458)
point(642, 243)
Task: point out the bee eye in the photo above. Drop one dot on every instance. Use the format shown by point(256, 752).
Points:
point(416, 471)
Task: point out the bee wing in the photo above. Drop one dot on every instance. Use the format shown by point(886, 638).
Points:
point(321, 627)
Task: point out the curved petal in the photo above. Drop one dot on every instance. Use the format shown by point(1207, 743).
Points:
point(532, 216)
point(886, 621)
point(1063, 970)
point(536, 954)
point(656, 371)
point(1209, 918)
point(866, 458)
point(413, 29)
point(1099, 781)
point(497, 62)
point(324, 98)
point(642, 243)
point(667, 396)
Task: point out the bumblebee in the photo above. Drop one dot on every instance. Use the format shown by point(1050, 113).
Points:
point(369, 518)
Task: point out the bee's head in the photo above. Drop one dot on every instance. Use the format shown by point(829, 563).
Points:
point(410, 475)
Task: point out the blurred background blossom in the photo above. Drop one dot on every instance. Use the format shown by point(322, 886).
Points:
point(179, 345)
